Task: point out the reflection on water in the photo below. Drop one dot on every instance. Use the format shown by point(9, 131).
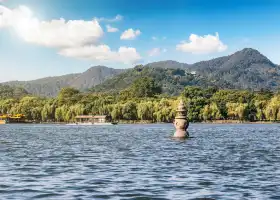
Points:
point(139, 162)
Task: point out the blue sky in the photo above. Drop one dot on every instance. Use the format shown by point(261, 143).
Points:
point(34, 46)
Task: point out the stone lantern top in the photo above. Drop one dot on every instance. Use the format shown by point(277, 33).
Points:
point(181, 106)
point(181, 110)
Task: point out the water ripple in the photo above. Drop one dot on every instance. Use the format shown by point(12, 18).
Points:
point(139, 162)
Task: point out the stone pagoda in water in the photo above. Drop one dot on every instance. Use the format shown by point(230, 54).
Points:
point(181, 122)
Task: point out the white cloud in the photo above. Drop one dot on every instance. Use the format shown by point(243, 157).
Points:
point(130, 34)
point(156, 51)
point(73, 38)
point(125, 55)
point(55, 33)
point(111, 29)
point(115, 19)
point(202, 44)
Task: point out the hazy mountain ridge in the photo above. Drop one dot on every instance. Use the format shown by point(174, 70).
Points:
point(245, 69)
point(50, 86)
point(94, 76)
point(171, 64)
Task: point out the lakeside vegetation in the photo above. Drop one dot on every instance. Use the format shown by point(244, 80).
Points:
point(144, 101)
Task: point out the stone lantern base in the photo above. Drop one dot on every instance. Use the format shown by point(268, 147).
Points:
point(181, 134)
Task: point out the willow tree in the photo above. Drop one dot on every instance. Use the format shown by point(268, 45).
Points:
point(211, 112)
point(145, 110)
point(30, 106)
point(231, 110)
point(163, 115)
point(48, 111)
point(260, 108)
point(163, 110)
point(272, 109)
point(6, 105)
point(117, 112)
point(129, 110)
point(237, 110)
point(241, 111)
point(73, 111)
point(61, 113)
point(36, 113)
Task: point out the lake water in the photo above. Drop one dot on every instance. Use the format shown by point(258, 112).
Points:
point(139, 162)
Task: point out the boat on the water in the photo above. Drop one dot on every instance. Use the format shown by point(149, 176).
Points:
point(15, 119)
point(90, 120)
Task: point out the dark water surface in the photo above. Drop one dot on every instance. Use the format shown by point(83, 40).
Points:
point(139, 162)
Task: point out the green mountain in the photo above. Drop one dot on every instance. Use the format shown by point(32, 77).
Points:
point(170, 64)
point(50, 86)
point(245, 69)
point(172, 81)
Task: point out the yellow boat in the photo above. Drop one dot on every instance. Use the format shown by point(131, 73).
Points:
point(6, 119)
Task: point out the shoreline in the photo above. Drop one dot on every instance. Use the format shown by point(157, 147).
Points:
point(150, 122)
point(237, 122)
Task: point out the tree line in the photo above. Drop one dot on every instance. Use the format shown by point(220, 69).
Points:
point(144, 101)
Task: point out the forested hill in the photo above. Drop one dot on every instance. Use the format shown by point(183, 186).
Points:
point(50, 86)
point(245, 69)
point(172, 81)
point(7, 92)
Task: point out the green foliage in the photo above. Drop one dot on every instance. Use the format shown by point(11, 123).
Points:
point(48, 111)
point(12, 92)
point(117, 112)
point(244, 70)
point(60, 113)
point(202, 104)
point(194, 92)
point(272, 110)
point(67, 96)
point(6, 105)
point(260, 106)
point(73, 111)
point(211, 112)
point(238, 111)
point(129, 111)
point(145, 110)
point(31, 102)
point(144, 87)
point(150, 81)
